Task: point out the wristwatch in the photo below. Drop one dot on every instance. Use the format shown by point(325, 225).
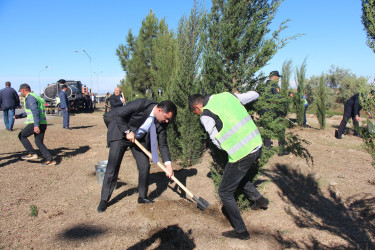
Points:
point(127, 131)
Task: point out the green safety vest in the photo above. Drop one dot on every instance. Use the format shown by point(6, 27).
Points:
point(42, 114)
point(239, 135)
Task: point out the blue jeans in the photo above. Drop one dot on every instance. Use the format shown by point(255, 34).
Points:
point(234, 175)
point(304, 115)
point(65, 118)
point(8, 118)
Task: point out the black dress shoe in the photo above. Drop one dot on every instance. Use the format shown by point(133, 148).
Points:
point(144, 200)
point(261, 203)
point(236, 235)
point(102, 206)
point(337, 135)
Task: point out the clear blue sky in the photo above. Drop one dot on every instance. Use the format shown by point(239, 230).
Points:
point(36, 34)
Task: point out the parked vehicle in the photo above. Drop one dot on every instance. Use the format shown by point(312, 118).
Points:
point(74, 94)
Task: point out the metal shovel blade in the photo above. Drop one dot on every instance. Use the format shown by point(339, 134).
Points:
point(201, 203)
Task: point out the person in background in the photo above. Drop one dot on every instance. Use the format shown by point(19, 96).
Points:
point(116, 100)
point(64, 106)
point(93, 103)
point(9, 101)
point(36, 124)
point(232, 129)
point(352, 108)
point(106, 102)
point(306, 105)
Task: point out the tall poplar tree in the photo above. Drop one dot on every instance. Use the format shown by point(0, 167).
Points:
point(298, 98)
point(321, 97)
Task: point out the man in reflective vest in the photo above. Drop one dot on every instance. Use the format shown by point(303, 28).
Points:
point(36, 124)
point(232, 129)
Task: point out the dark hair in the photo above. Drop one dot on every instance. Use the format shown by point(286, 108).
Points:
point(194, 100)
point(7, 84)
point(25, 86)
point(168, 106)
point(64, 86)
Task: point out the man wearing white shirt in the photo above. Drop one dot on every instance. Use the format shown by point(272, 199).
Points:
point(232, 129)
point(130, 122)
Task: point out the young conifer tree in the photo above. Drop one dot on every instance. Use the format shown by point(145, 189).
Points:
point(186, 134)
point(368, 20)
point(137, 57)
point(321, 97)
point(286, 73)
point(298, 97)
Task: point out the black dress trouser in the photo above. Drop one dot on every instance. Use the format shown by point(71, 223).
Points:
point(116, 153)
point(28, 131)
point(348, 113)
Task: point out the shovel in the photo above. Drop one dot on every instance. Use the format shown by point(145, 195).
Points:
point(201, 203)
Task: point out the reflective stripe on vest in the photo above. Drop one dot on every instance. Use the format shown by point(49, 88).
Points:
point(239, 135)
point(30, 116)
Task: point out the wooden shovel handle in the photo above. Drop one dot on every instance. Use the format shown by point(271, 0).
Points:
point(163, 168)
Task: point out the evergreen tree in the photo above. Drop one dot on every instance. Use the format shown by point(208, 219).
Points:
point(368, 20)
point(286, 73)
point(321, 103)
point(298, 98)
point(238, 44)
point(138, 56)
point(164, 61)
point(187, 133)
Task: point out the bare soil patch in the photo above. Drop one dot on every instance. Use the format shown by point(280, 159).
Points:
point(328, 205)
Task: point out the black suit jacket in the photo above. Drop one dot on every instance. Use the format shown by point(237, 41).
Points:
point(132, 116)
point(115, 101)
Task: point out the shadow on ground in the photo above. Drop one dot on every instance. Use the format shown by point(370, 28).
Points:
point(81, 232)
point(352, 220)
point(57, 153)
point(171, 237)
point(162, 183)
point(83, 127)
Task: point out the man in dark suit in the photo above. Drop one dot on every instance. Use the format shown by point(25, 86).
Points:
point(352, 110)
point(117, 100)
point(130, 122)
point(64, 106)
point(9, 101)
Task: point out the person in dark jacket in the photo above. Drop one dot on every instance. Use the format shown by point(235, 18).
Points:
point(139, 119)
point(117, 100)
point(64, 106)
point(352, 108)
point(9, 101)
point(36, 124)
